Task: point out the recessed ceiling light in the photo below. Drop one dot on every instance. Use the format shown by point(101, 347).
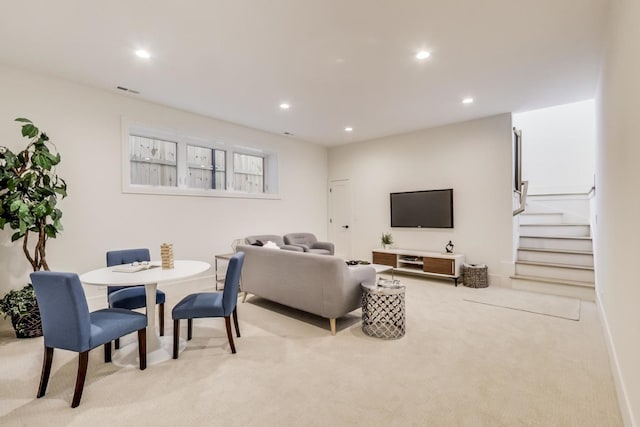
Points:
point(348, 129)
point(285, 106)
point(467, 101)
point(141, 53)
point(423, 54)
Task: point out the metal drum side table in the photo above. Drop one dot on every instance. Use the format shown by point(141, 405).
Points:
point(383, 312)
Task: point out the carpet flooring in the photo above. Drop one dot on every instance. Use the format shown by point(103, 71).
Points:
point(459, 364)
point(547, 305)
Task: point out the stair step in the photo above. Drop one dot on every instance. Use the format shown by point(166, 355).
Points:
point(540, 218)
point(568, 288)
point(555, 271)
point(562, 251)
point(559, 243)
point(556, 257)
point(590, 285)
point(555, 230)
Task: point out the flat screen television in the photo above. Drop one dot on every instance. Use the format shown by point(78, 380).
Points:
point(422, 209)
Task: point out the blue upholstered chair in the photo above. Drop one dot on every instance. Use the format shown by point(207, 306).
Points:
point(211, 304)
point(132, 297)
point(67, 324)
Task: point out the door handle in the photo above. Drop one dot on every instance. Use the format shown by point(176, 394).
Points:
point(345, 226)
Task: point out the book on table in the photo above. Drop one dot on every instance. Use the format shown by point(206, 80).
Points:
point(132, 268)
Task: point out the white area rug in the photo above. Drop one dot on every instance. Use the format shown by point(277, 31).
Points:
point(548, 305)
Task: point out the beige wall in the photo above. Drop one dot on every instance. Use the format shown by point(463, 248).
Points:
point(473, 158)
point(85, 125)
point(618, 205)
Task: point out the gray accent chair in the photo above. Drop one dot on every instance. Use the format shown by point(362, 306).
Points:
point(309, 243)
point(251, 240)
point(318, 284)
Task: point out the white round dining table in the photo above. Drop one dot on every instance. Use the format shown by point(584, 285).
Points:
point(159, 348)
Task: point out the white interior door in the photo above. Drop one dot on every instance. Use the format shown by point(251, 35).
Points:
point(340, 217)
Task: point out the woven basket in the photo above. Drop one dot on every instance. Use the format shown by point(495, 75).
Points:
point(475, 275)
point(28, 326)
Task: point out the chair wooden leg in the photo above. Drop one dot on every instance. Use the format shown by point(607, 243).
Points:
point(244, 296)
point(46, 370)
point(142, 348)
point(117, 341)
point(107, 352)
point(332, 323)
point(176, 337)
point(189, 329)
point(235, 321)
point(227, 320)
point(161, 318)
point(83, 361)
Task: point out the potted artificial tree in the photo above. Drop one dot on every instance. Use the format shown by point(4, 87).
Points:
point(29, 192)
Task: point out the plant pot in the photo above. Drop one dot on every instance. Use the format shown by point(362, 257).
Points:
point(29, 325)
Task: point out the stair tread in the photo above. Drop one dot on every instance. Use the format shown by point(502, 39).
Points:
point(554, 281)
point(558, 237)
point(541, 213)
point(559, 251)
point(549, 264)
point(557, 224)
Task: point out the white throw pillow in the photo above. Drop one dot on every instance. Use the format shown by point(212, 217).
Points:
point(270, 245)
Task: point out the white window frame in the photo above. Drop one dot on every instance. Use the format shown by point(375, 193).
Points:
point(182, 189)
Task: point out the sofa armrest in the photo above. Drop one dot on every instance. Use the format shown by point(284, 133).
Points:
point(361, 274)
point(324, 245)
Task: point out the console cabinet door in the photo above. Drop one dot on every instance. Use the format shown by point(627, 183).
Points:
point(439, 265)
point(385, 259)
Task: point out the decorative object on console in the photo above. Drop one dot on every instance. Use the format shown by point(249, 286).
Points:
point(386, 239)
point(166, 254)
point(449, 247)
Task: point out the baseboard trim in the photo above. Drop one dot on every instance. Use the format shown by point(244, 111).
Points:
point(621, 389)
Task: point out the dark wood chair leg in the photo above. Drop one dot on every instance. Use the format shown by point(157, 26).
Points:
point(46, 370)
point(117, 341)
point(161, 318)
point(189, 329)
point(107, 352)
point(176, 337)
point(227, 320)
point(142, 348)
point(83, 361)
point(235, 321)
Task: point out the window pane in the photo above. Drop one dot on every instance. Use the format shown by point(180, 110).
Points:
point(248, 173)
point(201, 169)
point(153, 161)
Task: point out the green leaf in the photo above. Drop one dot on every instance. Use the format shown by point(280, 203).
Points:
point(15, 236)
point(21, 119)
point(50, 231)
point(29, 130)
point(15, 205)
point(40, 210)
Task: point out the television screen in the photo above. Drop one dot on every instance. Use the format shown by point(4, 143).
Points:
point(422, 209)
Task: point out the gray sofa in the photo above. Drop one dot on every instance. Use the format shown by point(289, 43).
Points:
point(319, 284)
point(278, 240)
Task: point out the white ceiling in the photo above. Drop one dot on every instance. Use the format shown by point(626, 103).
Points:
point(337, 62)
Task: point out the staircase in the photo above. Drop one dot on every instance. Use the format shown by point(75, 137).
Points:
point(555, 254)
